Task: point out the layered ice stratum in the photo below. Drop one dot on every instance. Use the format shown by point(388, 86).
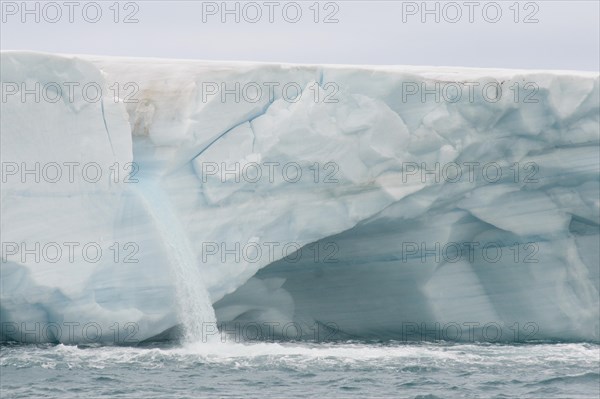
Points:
point(375, 202)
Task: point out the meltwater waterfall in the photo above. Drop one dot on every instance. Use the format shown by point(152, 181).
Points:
point(195, 307)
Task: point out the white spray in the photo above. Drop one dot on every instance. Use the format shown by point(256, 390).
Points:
point(196, 311)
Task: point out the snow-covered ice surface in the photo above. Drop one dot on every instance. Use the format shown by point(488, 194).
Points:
point(368, 223)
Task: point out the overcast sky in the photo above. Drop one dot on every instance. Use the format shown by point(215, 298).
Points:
point(533, 34)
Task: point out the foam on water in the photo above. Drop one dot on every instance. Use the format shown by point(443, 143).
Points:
point(350, 369)
point(294, 353)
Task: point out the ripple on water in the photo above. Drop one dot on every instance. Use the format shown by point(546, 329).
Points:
point(263, 369)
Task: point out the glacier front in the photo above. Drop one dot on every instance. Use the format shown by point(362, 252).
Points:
point(296, 201)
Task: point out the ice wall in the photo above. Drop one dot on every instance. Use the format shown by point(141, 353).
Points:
point(377, 149)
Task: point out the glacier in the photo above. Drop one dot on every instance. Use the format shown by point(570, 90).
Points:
point(360, 202)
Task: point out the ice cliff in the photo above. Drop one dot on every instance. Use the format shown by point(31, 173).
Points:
point(360, 202)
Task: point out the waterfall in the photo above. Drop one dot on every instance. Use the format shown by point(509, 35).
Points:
point(195, 307)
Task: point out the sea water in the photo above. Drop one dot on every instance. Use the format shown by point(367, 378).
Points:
point(302, 369)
